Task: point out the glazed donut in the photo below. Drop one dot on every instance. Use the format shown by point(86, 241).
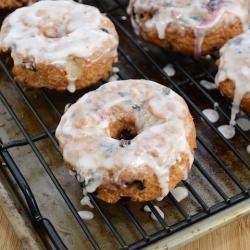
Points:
point(233, 77)
point(59, 44)
point(192, 27)
point(12, 4)
point(132, 138)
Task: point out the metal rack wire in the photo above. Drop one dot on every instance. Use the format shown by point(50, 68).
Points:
point(147, 64)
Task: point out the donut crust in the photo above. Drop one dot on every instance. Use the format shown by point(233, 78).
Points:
point(227, 88)
point(53, 77)
point(12, 4)
point(131, 179)
point(182, 39)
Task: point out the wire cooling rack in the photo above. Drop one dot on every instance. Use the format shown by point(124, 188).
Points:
point(220, 176)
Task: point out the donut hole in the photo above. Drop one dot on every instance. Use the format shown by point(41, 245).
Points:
point(126, 133)
point(142, 16)
point(123, 130)
point(135, 183)
point(52, 31)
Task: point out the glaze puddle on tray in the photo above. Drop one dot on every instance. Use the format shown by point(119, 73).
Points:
point(180, 193)
point(243, 123)
point(248, 149)
point(86, 215)
point(208, 85)
point(148, 210)
point(228, 131)
point(211, 114)
point(169, 70)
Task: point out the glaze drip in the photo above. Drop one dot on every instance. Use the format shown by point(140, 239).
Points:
point(234, 65)
point(159, 211)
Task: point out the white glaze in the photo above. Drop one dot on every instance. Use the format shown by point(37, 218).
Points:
point(148, 210)
point(85, 201)
point(248, 149)
point(53, 32)
point(86, 215)
point(115, 70)
point(67, 107)
point(180, 193)
point(207, 57)
point(113, 77)
point(235, 66)
point(243, 123)
point(169, 70)
point(84, 132)
point(216, 105)
point(72, 173)
point(199, 15)
point(71, 87)
point(160, 213)
point(208, 85)
point(228, 131)
point(211, 114)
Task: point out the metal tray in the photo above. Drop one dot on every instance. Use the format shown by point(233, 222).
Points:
point(220, 176)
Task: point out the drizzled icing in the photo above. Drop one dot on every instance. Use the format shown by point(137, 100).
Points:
point(54, 32)
point(159, 211)
point(169, 70)
point(211, 114)
point(243, 123)
point(248, 149)
point(180, 193)
point(86, 215)
point(199, 15)
point(208, 85)
point(85, 201)
point(228, 131)
point(235, 66)
point(161, 122)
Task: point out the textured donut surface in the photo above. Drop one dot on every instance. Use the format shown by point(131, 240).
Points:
point(59, 44)
point(93, 136)
point(11, 4)
point(193, 27)
point(233, 77)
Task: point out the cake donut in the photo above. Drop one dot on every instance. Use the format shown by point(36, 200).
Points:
point(233, 77)
point(132, 138)
point(192, 27)
point(59, 44)
point(12, 4)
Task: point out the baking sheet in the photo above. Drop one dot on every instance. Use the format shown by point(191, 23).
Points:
point(18, 217)
point(50, 201)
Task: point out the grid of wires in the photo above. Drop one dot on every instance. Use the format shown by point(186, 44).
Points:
point(144, 61)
